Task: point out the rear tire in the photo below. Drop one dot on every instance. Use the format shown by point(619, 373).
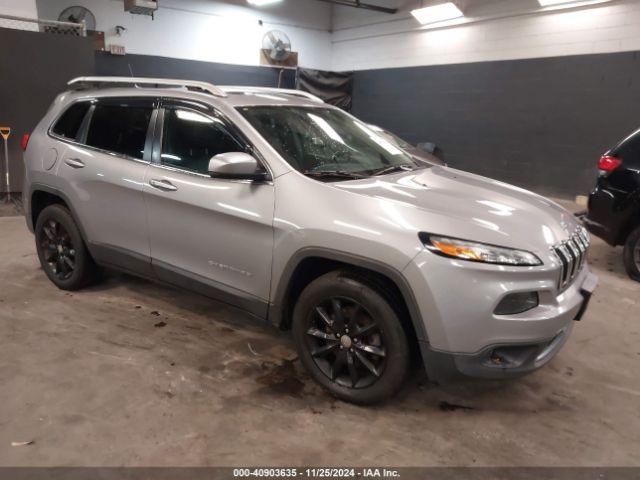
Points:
point(632, 255)
point(350, 339)
point(61, 250)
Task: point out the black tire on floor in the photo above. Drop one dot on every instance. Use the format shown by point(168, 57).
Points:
point(61, 250)
point(360, 305)
point(631, 255)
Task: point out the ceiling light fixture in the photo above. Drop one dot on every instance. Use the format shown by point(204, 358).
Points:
point(437, 13)
point(262, 3)
point(549, 3)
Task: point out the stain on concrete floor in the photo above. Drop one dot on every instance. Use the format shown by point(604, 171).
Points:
point(93, 379)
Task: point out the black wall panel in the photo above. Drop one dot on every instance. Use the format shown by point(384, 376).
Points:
point(34, 69)
point(217, 73)
point(539, 123)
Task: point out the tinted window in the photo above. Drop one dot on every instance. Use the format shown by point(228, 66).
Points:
point(120, 129)
point(190, 139)
point(69, 123)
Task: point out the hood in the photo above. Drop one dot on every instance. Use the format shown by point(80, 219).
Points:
point(464, 205)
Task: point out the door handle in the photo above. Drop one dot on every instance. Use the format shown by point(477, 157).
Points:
point(74, 162)
point(163, 185)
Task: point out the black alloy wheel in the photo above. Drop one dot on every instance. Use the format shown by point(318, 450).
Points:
point(61, 249)
point(350, 337)
point(57, 247)
point(346, 343)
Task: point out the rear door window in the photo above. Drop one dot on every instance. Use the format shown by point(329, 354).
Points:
point(120, 127)
point(69, 123)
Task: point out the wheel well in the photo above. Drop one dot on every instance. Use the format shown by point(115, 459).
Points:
point(41, 200)
point(313, 267)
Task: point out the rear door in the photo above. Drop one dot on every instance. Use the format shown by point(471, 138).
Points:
point(104, 170)
point(211, 235)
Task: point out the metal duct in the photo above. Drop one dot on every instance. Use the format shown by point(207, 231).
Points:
point(359, 4)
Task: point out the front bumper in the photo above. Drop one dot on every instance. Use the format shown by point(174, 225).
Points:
point(457, 301)
point(495, 362)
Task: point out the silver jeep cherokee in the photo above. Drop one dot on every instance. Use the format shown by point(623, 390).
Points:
point(301, 214)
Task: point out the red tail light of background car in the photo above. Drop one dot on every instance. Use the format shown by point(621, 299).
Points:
point(609, 163)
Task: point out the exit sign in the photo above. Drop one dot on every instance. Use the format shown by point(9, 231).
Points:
point(116, 49)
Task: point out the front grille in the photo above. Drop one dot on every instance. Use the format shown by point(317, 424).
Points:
point(572, 254)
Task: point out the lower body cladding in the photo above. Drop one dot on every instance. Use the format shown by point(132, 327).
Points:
point(462, 333)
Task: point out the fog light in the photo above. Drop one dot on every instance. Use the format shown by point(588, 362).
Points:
point(517, 303)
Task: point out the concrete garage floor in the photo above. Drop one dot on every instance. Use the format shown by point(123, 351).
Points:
point(132, 373)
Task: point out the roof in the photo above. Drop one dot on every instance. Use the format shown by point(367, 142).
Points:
point(232, 95)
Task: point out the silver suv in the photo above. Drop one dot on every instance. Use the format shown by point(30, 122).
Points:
point(302, 215)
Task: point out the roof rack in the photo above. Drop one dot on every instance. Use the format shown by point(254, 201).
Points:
point(281, 91)
point(98, 82)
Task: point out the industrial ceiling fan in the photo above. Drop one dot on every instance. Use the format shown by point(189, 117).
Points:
point(78, 14)
point(277, 45)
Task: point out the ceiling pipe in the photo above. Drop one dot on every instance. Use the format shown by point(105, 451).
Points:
point(359, 4)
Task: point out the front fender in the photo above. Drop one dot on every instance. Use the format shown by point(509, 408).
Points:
point(284, 280)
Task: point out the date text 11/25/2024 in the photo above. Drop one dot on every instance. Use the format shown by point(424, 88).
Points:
point(315, 473)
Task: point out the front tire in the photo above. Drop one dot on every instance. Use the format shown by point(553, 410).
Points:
point(61, 250)
point(631, 255)
point(350, 339)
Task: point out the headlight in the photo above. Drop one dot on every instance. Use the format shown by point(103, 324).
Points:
point(478, 252)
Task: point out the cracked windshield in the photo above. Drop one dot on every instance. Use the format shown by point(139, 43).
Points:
point(327, 143)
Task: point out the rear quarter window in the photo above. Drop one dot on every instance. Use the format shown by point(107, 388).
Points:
point(70, 121)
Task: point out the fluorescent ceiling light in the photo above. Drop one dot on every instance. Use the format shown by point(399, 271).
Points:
point(547, 3)
point(262, 3)
point(437, 13)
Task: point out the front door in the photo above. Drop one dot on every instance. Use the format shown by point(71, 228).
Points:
point(210, 235)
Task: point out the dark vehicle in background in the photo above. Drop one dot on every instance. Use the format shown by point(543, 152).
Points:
point(614, 205)
point(426, 153)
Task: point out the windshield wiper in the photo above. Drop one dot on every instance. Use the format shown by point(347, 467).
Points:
point(332, 174)
point(391, 169)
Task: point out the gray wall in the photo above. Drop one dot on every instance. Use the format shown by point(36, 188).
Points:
point(540, 123)
point(217, 73)
point(34, 68)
